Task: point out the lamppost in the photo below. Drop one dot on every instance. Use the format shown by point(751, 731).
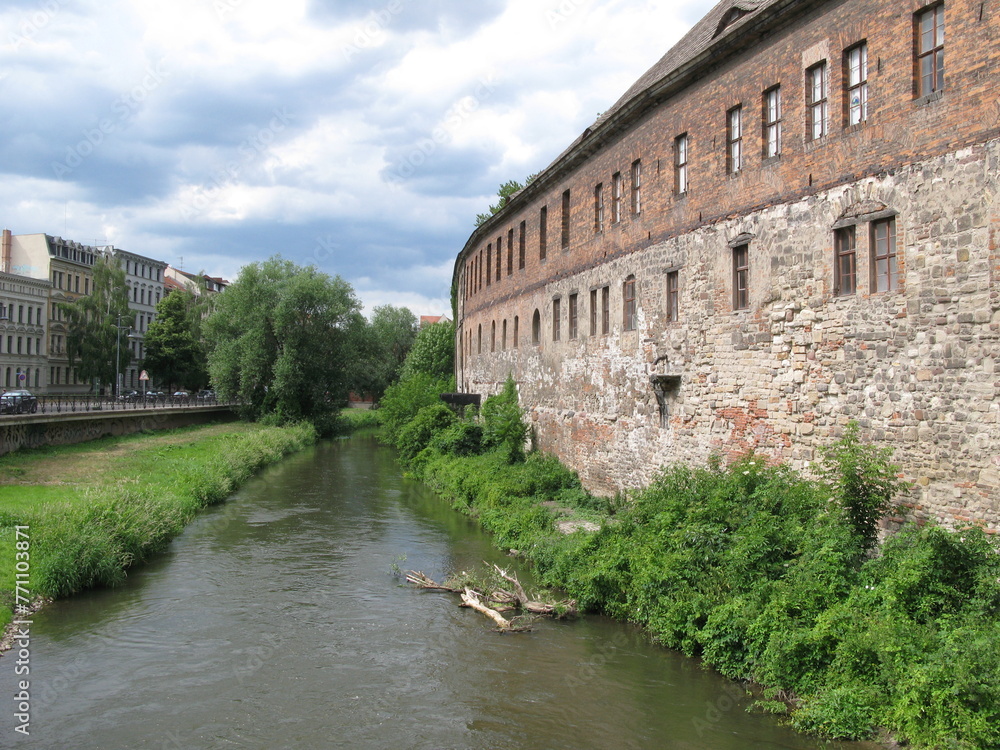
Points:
point(118, 357)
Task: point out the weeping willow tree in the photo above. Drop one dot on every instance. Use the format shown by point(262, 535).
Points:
point(98, 325)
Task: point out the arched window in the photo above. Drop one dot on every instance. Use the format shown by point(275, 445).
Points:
point(479, 339)
point(536, 328)
point(515, 331)
point(493, 336)
point(503, 340)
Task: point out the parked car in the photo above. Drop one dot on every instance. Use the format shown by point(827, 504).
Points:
point(206, 395)
point(130, 395)
point(18, 402)
point(155, 395)
point(181, 396)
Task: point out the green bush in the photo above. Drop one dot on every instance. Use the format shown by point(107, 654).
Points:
point(462, 438)
point(404, 399)
point(418, 432)
point(503, 423)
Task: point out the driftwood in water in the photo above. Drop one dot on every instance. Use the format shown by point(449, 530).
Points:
point(470, 598)
point(498, 601)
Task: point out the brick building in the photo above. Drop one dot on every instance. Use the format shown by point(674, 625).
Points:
point(789, 222)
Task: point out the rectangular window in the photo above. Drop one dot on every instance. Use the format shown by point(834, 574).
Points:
point(673, 296)
point(573, 316)
point(885, 270)
point(845, 275)
point(606, 310)
point(499, 257)
point(543, 230)
point(772, 122)
point(856, 83)
point(930, 50)
point(816, 101)
point(593, 312)
point(555, 319)
point(489, 262)
point(628, 304)
point(565, 220)
point(599, 207)
point(516, 332)
point(637, 186)
point(510, 251)
point(681, 164)
point(616, 197)
point(741, 277)
point(520, 245)
point(734, 140)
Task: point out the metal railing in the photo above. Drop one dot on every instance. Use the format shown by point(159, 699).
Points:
point(82, 403)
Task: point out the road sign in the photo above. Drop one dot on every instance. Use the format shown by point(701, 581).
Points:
point(21, 376)
point(143, 375)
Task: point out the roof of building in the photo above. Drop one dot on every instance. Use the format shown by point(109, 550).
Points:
point(427, 320)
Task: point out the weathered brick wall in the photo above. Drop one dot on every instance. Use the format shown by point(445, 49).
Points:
point(914, 366)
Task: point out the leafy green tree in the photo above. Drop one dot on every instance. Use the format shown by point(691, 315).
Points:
point(864, 480)
point(284, 340)
point(390, 336)
point(433, 352)
point(504, 194)
point(503, 423)
point(174, 353)
point(98, 325)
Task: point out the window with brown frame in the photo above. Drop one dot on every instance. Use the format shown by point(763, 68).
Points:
point(605, 310)
point(616, 197)
point(510, 251)
point(845, 278)
point(856, 83)
point(772, 122)
point(556, 319)
point(885, 269)
point(673, 296)
point(565, 220)
point(681, 164)
point(628, 304)
point(741, 277)
point(734, 140)
point(520, 245)
point(930, 50)
point(573, 316)
point(593, 312)
point(543, 231)
point(489, 263)
point(636, 186)
point(499, 257)
point(599, 207)
point(816, 102)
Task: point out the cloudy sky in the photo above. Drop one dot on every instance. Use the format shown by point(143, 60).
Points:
point(362, 136)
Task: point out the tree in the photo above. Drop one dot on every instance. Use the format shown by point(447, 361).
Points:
point(433, 352)
point(284, 340)
point(98, 325)
point(504, 193)
point(174, 353)
point(389, 338)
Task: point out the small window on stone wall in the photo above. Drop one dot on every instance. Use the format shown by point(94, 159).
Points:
point(741, 277)
point(845, 263)
point(628, 304)
point(673, 296)
point(573, 316)
point(516, 322)
point(536, 328)
point(503, 340)
point(885, 271)
point(556, 321)
point(493, 336)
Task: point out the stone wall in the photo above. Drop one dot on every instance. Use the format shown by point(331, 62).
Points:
point(916, 367)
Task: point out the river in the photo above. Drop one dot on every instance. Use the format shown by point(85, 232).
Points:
point(276, 620)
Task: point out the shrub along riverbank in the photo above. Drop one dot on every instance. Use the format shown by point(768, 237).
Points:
point(769, 576)
point(93, 510)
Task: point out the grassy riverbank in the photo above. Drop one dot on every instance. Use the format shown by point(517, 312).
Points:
point(766, 575)
point(90, 511)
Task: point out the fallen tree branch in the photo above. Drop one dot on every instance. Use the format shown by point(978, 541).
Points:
point(419, 579)
point(559, 610)
point(470, 598)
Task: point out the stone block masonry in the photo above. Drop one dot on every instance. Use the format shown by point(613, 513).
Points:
point(852, 277)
